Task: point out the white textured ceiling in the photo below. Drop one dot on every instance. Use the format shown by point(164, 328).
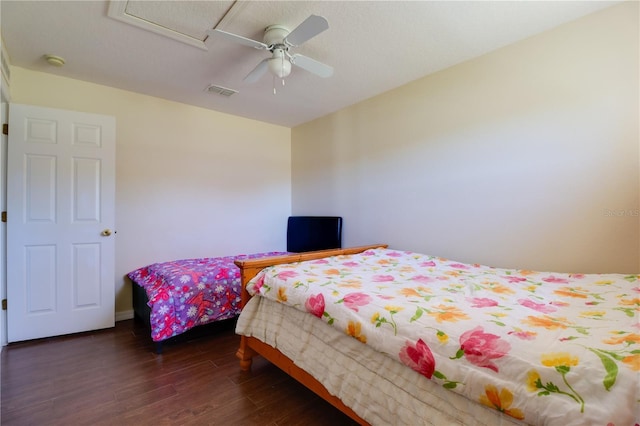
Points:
point(374, 46)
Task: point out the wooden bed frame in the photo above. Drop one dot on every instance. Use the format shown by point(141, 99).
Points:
point(250, 346)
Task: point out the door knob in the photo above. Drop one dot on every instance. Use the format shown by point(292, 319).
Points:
point(106, 232)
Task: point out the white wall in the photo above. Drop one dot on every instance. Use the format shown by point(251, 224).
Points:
point(516, 159)
point(190, 182)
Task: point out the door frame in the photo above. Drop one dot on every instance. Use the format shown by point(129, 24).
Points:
point(5, 98)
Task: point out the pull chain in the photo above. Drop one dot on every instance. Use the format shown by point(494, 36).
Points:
point(274, 84)
point(274, 76)
point(282, 65)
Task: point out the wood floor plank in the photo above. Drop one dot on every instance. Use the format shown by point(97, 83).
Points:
point(114, 377)
point(32, 414)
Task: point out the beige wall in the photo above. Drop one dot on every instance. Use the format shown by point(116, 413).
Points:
point(184, 186)
point(526, 157)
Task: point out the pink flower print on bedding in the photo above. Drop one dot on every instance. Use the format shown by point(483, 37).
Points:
point(480, 348)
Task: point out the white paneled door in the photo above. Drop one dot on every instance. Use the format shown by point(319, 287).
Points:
point(60, 208)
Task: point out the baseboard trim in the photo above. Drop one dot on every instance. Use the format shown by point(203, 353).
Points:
point(124, 315)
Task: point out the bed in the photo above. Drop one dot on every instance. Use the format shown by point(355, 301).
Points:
point(394, 337)
point(174, 297)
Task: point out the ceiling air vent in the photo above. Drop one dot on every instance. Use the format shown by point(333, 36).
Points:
point(220, 90)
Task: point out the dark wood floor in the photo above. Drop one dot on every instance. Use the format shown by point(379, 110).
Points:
point(114, 377)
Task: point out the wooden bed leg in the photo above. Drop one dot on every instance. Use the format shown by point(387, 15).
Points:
point(245, 354)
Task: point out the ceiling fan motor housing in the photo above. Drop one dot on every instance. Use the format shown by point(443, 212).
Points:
point(275, 34)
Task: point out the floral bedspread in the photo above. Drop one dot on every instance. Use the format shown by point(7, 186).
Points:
point(185, 293)
point(546, 348)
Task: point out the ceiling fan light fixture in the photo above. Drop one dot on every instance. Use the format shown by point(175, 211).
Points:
point(279, 67)
point(278, 40)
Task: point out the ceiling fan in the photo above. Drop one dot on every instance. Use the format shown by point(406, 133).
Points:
point(278, 40)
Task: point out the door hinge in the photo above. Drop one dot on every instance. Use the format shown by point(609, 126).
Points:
point(4, 304)
point(5, 129)
point(3, 216)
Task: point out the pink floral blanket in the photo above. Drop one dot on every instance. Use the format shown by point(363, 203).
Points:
point(546, 348)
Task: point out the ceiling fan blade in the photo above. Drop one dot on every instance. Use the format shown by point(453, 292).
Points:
point(311, 65)
point(309, 28)
point(257, 72)
point(238, 39)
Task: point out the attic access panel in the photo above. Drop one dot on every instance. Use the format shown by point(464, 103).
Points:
point(184, 21)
